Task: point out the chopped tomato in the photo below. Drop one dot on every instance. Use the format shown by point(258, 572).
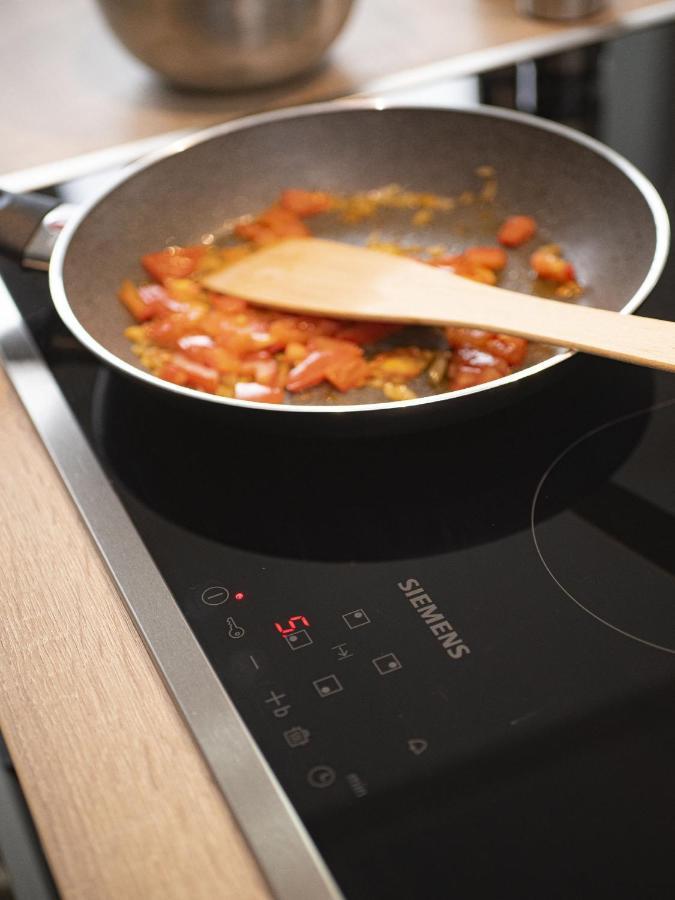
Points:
point(494, 258)
point(516, 230)
point(275, 223)
point(262, 393)
point(130, 297)
point(184, 371)
point(173, 262)
point(505, 346)
point(264, 370)
point(202, 349)
point(460, 265)
point(305, 203)
point(220, 343)
point(469, 367)
point(301, 329)
point(327, 355)
point(167, 330)
point(549, 264)
point(348, 372)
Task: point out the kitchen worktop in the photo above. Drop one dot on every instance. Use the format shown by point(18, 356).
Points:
point(123, 802)
point(69, 88)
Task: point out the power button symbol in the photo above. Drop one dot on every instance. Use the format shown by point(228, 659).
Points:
point(215, 595)
point(321, 777)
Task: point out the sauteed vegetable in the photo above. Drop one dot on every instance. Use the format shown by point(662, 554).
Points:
point(220, 344)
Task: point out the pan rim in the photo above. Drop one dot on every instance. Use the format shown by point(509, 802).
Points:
point(65, 311)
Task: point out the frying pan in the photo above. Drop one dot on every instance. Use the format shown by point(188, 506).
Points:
point(608, 217)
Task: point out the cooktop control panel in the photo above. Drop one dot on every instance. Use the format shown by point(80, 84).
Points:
point(309, 672)
point(355, 683)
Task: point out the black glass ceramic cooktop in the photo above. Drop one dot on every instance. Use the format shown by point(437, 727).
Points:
point(456, 648)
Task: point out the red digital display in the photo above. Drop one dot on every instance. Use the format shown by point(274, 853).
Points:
point(292, 625)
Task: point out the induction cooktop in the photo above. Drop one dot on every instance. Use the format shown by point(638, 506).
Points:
point(448, 657)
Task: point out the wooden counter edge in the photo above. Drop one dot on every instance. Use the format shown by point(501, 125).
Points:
point(121, 797)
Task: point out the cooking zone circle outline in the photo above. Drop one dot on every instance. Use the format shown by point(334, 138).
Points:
point(58, 292)
point(657, 407)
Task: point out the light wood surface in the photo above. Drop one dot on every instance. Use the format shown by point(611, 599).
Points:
point(69, 88)
point(124, 804)
point(328, 278)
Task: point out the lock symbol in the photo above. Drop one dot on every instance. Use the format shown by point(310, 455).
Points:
point(234, 631)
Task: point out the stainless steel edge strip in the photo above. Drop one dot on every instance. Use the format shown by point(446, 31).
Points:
point(276, 835)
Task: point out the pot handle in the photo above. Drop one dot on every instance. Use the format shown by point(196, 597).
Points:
point(26, 229)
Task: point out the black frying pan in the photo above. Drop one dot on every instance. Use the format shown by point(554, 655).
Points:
point(607, 216)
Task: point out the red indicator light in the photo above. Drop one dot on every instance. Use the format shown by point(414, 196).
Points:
point(239, 595)
point(291, 625)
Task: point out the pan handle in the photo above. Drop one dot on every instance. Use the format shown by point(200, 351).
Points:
point(29, 225)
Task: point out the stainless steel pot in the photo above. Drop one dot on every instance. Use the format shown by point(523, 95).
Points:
point(226, 44)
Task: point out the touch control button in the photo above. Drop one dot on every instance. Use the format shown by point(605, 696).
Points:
point(279, 710)
point(321, 777)
point(297, 736)
point(342, 652)
point(387, 664)
point(356, 619)
point(417, 745)
point(299, 639)
point(215, 595)
point(327, 685)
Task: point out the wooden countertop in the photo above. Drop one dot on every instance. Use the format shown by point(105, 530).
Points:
point(69, 87)
point(123, 802)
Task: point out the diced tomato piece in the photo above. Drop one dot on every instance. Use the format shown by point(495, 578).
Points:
point(263, 370)
point(493, 258)
point(460, 265)
point(508, 347)
point(367, 332)
point(505, 346)
point(516, 230)
point(173, 262)
point(202, 349)
point(326, 354)
point(469, 367)
point(162, 303)
point(167, 330)
point(289, 329)
point(275, 223)
point(184, 371)
point(551, 266)
point(305, 203)
point(348, 373)
point(262, 393)
point(130, 297)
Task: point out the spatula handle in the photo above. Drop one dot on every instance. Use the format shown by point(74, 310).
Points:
point(636, 339)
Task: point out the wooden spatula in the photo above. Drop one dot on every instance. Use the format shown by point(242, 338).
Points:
point(337, 280)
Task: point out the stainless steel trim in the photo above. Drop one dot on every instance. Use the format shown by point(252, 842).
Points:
point(658, 210)
point(276, 835)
